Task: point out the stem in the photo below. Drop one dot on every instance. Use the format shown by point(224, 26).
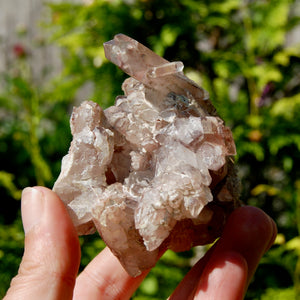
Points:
point(297, 268)
point(250, 60)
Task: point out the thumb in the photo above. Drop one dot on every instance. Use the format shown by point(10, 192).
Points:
point(52, 253)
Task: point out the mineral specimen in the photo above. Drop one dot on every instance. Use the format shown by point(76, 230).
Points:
point(155, 170)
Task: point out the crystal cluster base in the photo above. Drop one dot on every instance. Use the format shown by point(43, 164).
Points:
point(155, 170)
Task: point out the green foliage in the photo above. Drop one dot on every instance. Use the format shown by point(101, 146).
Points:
point(11, 251)
point(279, 294)
point(235, 49)
point(166, 275)
point(6, 180)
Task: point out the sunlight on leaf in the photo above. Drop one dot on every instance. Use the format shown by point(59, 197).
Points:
point(293, 244)
point(264, 188)
point(7, 181)
point(287, 108)
point(280, 239)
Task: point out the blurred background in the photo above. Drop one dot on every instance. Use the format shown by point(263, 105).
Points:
point(245, 53)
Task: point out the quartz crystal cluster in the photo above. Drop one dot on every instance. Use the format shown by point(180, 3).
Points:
point(155, 170)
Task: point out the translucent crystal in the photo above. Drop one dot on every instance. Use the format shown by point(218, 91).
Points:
point(155, 170)
point(165, 69)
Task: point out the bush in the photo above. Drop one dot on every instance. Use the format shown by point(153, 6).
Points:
point(236, 50)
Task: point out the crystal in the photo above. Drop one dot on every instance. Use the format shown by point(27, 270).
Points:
point(154, 171)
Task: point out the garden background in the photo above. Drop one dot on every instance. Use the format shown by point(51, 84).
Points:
point(245, 53)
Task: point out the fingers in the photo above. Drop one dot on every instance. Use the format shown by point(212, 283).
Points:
point(104, 278)
point(226, 270)
point(223, 278)
point(52, 253)
point(249, 232)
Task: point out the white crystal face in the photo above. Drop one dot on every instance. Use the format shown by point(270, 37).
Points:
point(146, 168)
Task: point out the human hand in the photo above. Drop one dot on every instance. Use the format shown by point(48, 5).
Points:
point(52, 255)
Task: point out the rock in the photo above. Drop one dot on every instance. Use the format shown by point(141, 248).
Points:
point(155, 170)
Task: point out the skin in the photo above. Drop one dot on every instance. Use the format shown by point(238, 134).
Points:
point(49, 268)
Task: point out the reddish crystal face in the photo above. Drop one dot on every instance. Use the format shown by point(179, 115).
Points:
point(154, 170)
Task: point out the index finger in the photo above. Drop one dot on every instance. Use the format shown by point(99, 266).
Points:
point(105, 278)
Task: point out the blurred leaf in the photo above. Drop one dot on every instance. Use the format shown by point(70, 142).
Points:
point(280, 239)
point(278, 142)
point(279, 294)
point(7, 181)
point(168, 36)
point(149, 286)
point(264, 188)
point(287, 107)
point(225, 7)
point(283, 57)
point(293, 244)
point(11, 251)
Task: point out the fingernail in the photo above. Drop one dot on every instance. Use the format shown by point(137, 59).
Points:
point(32, 208)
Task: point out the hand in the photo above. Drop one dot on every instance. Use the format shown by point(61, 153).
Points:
point(52, 255)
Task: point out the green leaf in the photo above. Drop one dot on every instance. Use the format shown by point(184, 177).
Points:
point(150, 286)
point(225, 7)
point(287, 107)
point(264, 188)
point(7, 181)
point(293, 244)
point(266, 73)
point(167, 38)
point(279, 294)
point(278, 142)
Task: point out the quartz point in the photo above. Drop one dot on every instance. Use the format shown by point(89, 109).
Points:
point(154, 171)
